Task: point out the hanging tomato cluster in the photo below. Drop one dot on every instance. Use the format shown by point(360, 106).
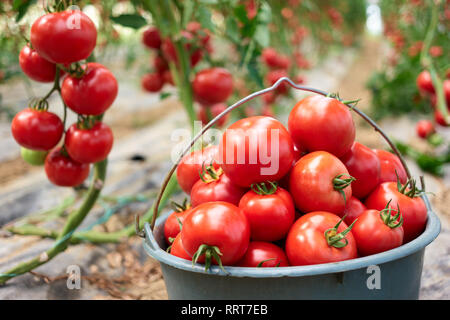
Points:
point(59, 42)
point(270, 196)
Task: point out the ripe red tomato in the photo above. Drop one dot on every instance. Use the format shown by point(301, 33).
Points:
point(318, 123)
point(151, 38)
point(64, 37)
point(220, 228)
point(353, 209)
point(152, 82)
point(317, 183)
point(89, 145)
point(160, 64)
point(170, 53)
point(376, 232)
point(270, 214)
point(390, 164)
point(424, 82)
point(256, 149)
point(362, 164)
point(167, 77)
point(216, 186)
point(177, 249)
point(36, 67)
point(263, 254)
point(191, 164)
point(314, 239)
point(413, 208)
point(270, 57)
point(273, 75)
point(425, 128)
point(212, 85)
point(37, 129)
point(214, 110)
point(172, 224)
point(439, 118)
point(63, 171)
point(93, 93)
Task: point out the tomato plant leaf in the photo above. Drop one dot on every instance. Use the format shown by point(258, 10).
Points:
point(204, 17)
point(21, 6)
point(134, 21)
point(232, 29)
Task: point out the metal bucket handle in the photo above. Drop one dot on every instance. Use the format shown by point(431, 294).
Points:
point(250, 97)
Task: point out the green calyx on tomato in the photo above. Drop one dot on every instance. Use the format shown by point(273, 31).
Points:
point(336, 96)
point(340, 183)
point(262, 262)
point(177, 207)
point(86, 122)
point(413, 191)
point(390, 220)
point(263, 189)
point(335, 239)
point(209, 173)
point(210, 252)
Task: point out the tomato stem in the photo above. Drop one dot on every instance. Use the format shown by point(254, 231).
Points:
point(340, 183)
point(335, 239)
point(389, 220)
point(262, 189)
point(210, 252)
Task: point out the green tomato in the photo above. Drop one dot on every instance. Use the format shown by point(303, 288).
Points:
point(33, 157)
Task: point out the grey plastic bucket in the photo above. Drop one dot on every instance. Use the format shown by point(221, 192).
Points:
point(394, 274)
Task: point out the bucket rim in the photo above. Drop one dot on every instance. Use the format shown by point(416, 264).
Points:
point(430, 233)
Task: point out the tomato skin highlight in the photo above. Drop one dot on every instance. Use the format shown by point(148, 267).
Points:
point(64, 171)
point(311, 183)
point(37, 129)
point(177, 249)
point(89, 145)
point(389, 165)
point(245, 141)
point(36, 67)
point(270, 216)
point(172, 226)
point(424, 128)
point(413, 210)
point(424, 82)
point(51, 37)
point(220, 224)
point(318, 123)
point(259, 251)
point(93, 93)
point(373, 236)
point(190, 166)
point(213, 85)
point(362, 164)
point(306, 243)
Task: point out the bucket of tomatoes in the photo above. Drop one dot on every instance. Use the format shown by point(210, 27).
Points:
point(296, 212)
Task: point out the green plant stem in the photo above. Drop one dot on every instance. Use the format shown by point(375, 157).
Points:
point(73, 221)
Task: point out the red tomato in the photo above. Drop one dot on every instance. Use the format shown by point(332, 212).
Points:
point(151, 38)
point(36, 67)
point(170, 53)
point(318, 123)
point(390, 164)
point(64, 37)
point(167, 77)
point(191, 164)
point(269, 97)
point(424, 82)
point(256, 149)
point(89, 145)
point(214, 111)
point(376, 232)
point(425, 128)
point(270, 57)
point(93, 93)
point(152, 82)
point(273, 76)
point(270, 214)
point(221, 227)
point(160, 64)
point(265, 255)
point(215, 186)
point(362, 164)
point(64, 171)
point(413, 209)
point(172, 225)
point(37, 129)
point(315, 183)
point(177, 249)
point(212, 85)
point(308, 241)
point(353, 209)
point(439, 118)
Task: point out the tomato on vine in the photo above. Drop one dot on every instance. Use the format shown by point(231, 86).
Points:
point(88, 143)
point(36, 67)
point(37, 129)
point(213, 85)
point(152, 82)
point(151, 38)
point(64, 37)
point(63, 171)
